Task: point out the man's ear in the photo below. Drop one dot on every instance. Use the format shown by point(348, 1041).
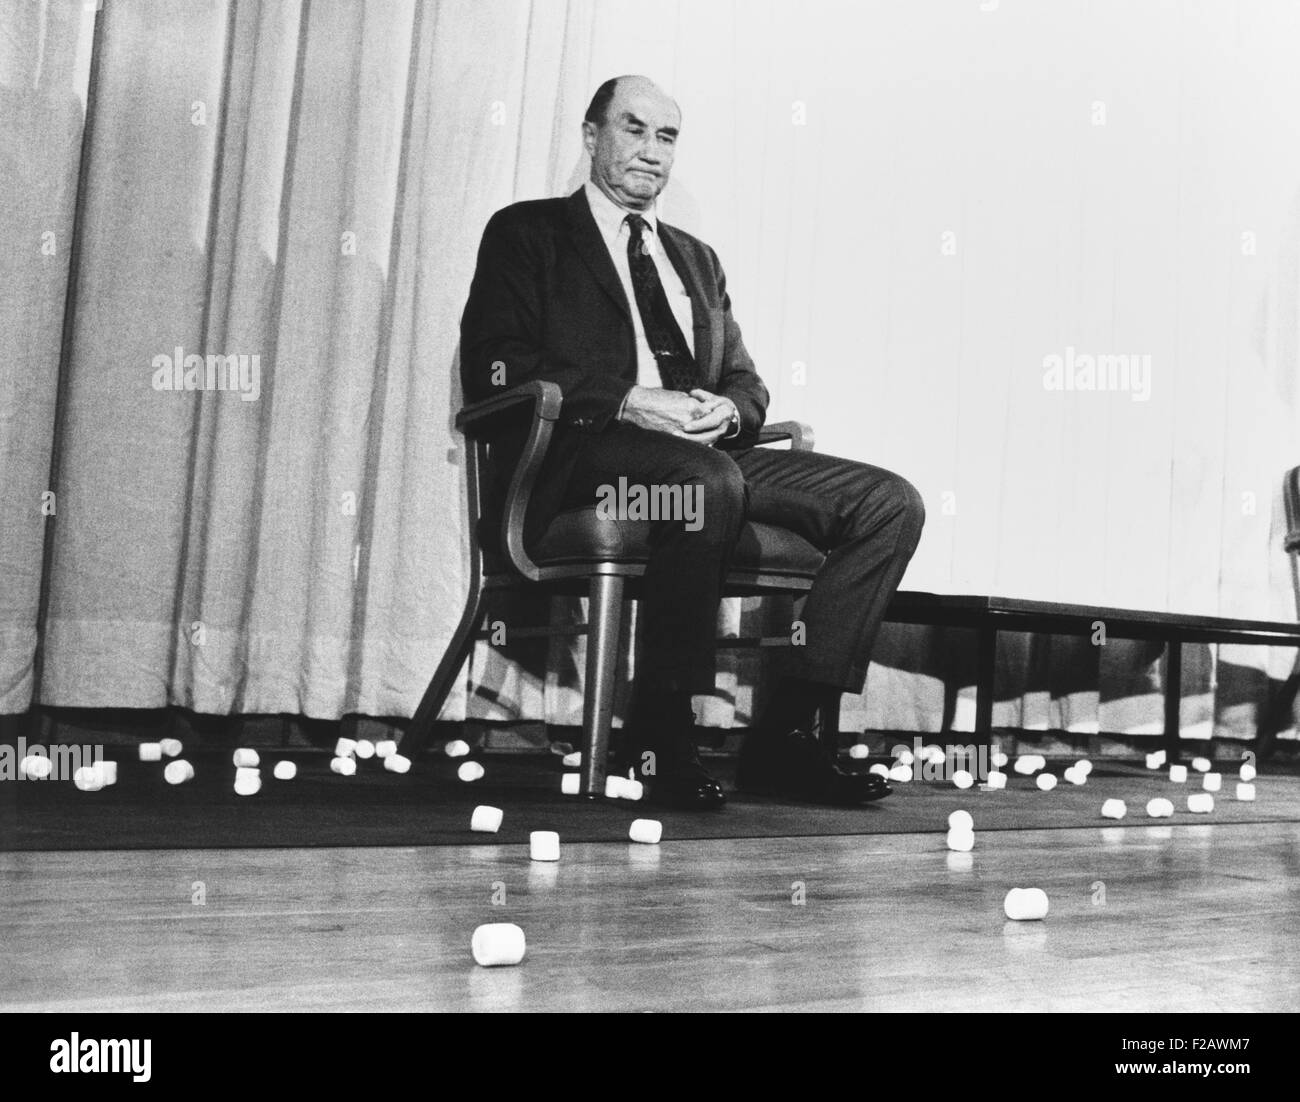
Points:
point(589, 137)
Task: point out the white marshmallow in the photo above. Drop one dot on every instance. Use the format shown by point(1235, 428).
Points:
point(1160, 808)
point(1178, 774)
point(1113, 809)
point(35, 766)
point(1202, 803)
point(1212, 782)
point(933, 752)
point(344, 767)
point(284, 771)
point(614, 787)
point(544, 845)
point(397, 763)
point(633, 790)
point(904, 757)
point(961, 841)
point(572, 761)
point(997, 780)
point(999, 759)
point(858, 751)
point(1245, 791)
point(647, 831)
point(1076, 776)
point(1025, 904)
point(1084, 766)
point(88, 779)
point(1028, 764)
point(170, 747)
point(1201, 765)
point(879, 770)
point(961, 820)
point(470, 771)
point(1155, 759)
point(108, 770)
point(365, 749)
point(497, 943)
point(959, 862)
point(457, 748)
point(901, 773)
point(178, 771)
point(151, 751)
point(569, 784)
point(385, 748)
point(248, 774)
point(248, 785)
point(486, 820)
point(246, 759)
point(1046, 782)
point(345, 748)
point(962, 779)
point(1247, 772)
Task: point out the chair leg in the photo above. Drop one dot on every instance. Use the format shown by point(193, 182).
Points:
point(453, 660)
point(604, 620)
point(830, 722)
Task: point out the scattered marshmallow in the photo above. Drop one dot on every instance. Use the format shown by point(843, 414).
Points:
point(397, 763)
point(88, 779)
point(999, 759)
point(572, 761)
point(1247, 772)
point(933, 752)
point(569, 784)
point(901, 773)
point(470, 771)
point(178, 771)
point(457, 748)
point(997, 780)
point(365, 749)
point(344, 767)
point(1156, 759)
point(858, 751)
point(248, 785)
point(35, 766)
point(1046, 782)
point(1028, 764)
point(170, 747)
point(904, 757)
point(385, 748)
point(962, 779)
point(486, 820)
point(1201, 765)
point(284, 771)
point(633, 790)
point(646, 831)
point(247, 773)
point(246, 759)
point(1178, 774)
point(614, 787)
point(345, 747)
point(879, 770)
point(496, 944)
point(1084, 766)
point(544, 845)
point(961, 841)
point(961, 820)
point(151, 751)
point(1025, 904)
point(1114, 809)
point(1075, 775)
point(1212, 782)
point(1245, 791)
point(1160, 808)
point(1202, 803)
point(107, 770)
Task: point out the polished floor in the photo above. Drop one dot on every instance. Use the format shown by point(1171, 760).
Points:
point(1143, 918)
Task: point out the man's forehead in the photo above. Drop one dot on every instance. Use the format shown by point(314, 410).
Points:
point(650, 107)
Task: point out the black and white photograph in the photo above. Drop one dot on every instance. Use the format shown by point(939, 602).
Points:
point(651, 507)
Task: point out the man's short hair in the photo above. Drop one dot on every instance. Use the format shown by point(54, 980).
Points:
point(598, 109)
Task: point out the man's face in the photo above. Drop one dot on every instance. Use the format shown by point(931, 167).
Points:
point(632, 153)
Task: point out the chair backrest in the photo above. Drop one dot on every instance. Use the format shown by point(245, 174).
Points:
point(1291, 503)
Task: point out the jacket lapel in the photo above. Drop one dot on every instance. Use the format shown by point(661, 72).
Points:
point(591, 247)
point(690, 274)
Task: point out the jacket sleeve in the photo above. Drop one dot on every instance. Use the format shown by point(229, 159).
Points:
point(502, 330)
point(739, 380)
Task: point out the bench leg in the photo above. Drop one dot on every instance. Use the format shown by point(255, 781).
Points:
point(604, 620)
point(1173, 699)
point(986, 653)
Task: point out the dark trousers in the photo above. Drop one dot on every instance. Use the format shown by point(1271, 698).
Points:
point(868, 520)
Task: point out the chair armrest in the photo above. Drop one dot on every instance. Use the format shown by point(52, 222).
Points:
point(800, 435)
point(482, 417)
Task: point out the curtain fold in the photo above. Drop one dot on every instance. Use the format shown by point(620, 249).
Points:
point(230, 479)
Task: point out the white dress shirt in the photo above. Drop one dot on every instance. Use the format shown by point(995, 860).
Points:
point(611, 221)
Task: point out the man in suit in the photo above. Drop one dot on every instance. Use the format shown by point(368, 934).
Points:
point(631, 318)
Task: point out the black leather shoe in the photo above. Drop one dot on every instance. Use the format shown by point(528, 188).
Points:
point(796, 765)
point(678, 780)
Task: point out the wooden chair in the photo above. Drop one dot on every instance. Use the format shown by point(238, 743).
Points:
point(586, 554)
point(1278, 714)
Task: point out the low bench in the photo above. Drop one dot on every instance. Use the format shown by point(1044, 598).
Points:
point(990, 615)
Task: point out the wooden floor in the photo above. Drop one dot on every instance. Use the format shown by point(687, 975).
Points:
point(1142, 918)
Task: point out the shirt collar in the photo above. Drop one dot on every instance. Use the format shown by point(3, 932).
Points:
point(610, 216)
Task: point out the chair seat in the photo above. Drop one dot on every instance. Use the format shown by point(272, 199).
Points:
point(583, 535)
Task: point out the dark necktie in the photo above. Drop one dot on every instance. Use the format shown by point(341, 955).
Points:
point(677, 367)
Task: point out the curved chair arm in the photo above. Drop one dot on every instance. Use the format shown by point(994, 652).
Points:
point(481, 418)
point(800, 435)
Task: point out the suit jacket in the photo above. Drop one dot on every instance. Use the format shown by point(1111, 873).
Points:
point(546, 302)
